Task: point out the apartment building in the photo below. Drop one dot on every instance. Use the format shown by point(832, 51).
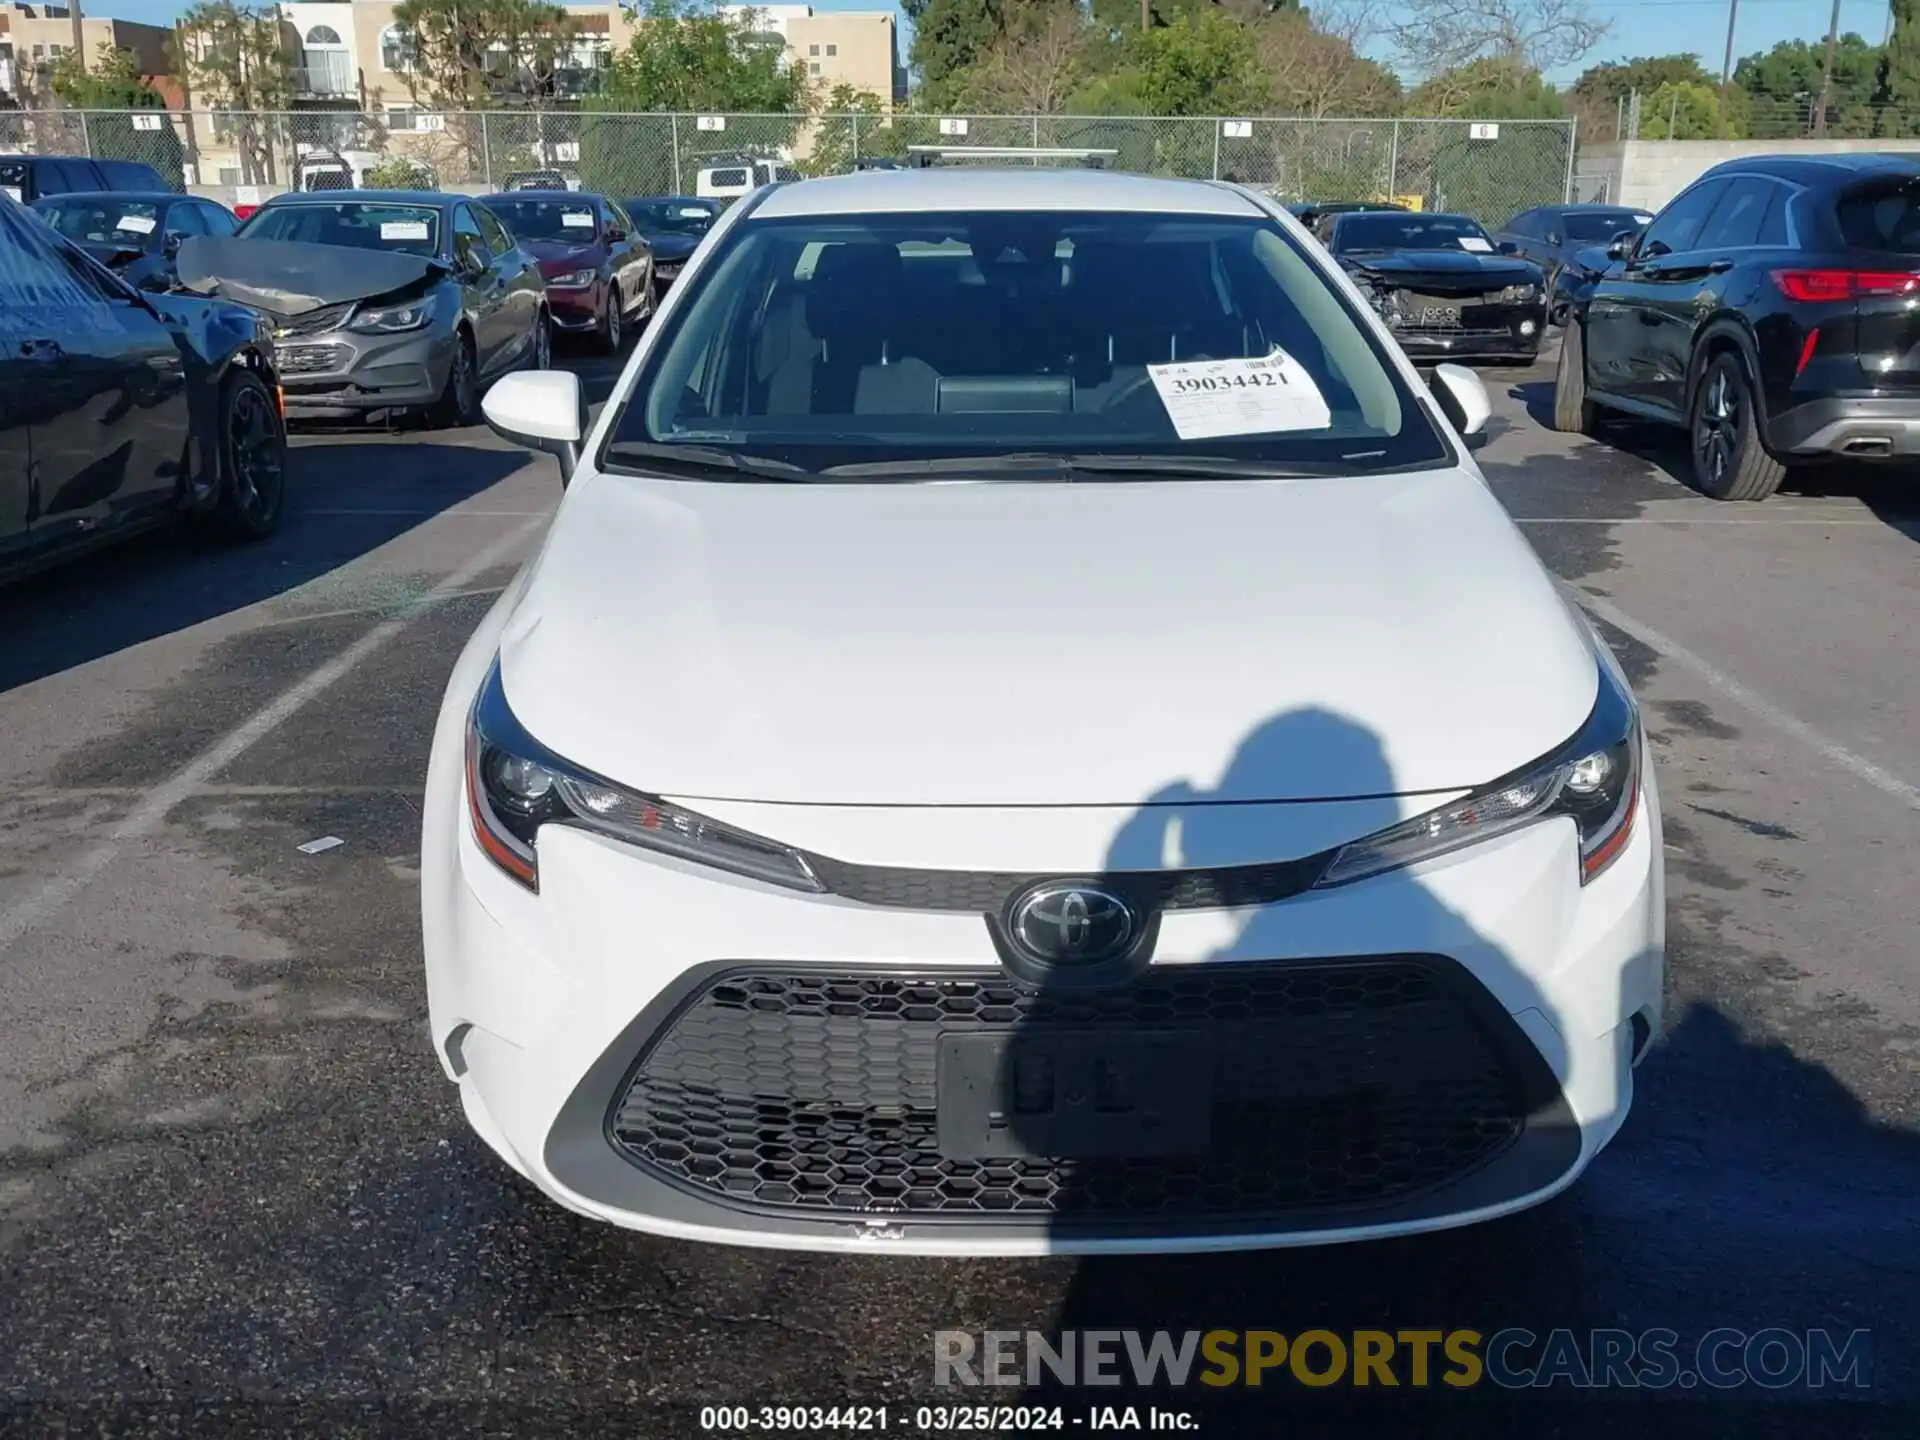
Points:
point(860, 48)
point(33, 37)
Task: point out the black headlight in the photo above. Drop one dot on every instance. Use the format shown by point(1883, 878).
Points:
point(1593, 779)
point(516, 786)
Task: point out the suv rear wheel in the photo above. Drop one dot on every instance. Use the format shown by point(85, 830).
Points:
point(1573, 412)
point(1729, 461)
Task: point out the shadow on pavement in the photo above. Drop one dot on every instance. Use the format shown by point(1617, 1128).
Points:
point(173, 579)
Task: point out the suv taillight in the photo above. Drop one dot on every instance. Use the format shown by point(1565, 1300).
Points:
point(1826, 286)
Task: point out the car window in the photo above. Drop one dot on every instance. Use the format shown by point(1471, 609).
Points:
point(67, 176)
point(1882, 215)
point(1374, 230)
point(1596, 227)
point(361, 224)
point(495, 234)
point(217, 219)
point(727, 178)
point(619, 218)
point(185, 220)
point(1678, 226)
point(673, 216)
point(101, 219)
point(1773, 229)
point(1736, 219)
point(468, 243)
point(43, 283)
point(1527, 223)
point(536, 216)
point(13, 178)
point(851, 340)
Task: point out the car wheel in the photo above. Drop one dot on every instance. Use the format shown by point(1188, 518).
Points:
point(459, 402)
point(252, 458)
point(1729, 462)
point(612, 323)
point(1573, 412)
point(541, 356)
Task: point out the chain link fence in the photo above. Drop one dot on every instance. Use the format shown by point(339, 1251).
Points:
point(1487, 170)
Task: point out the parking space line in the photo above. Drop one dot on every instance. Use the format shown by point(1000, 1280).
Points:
point(54, 893)
point(1686, 520)
point(1882, 780)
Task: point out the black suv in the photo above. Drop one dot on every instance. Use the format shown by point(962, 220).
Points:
point(28, 177)
point(1773, 310)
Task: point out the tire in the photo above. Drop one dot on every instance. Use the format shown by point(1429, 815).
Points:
point(1573, 412)
point(1723, 435)
point(251, 455)
point(613, 331)
point(459, 402)
point(541, 356)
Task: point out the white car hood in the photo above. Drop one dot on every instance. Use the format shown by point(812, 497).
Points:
point(992, 643)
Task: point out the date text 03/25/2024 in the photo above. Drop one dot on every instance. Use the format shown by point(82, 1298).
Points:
point(943, 1419)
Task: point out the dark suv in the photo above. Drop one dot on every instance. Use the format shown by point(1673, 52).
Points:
point(27, 177)
point(1773, 310)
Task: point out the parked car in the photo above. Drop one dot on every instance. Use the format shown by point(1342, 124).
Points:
point(135, 233)
point(540, 180)
point(382, 300)
point(673, 225)
point(1310, 212)
point(1142, 804)
point(730, 177)
point(598, 267)
point(1551, 235)
point(27, 177)
point(1444, 286)
point(1772, 310)
point(121, 409)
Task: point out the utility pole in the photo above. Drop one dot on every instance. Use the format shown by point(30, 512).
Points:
point(79, 37)
point(1726, 65)
point(1145, 22)
point(1826, 72)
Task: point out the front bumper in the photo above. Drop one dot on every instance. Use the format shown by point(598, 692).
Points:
point(1482, 332)
point(574, 309)
point(1859, 428)
point(339, 374)
point(544, 1008)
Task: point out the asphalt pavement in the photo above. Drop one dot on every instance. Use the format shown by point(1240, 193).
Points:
point(237, 1196)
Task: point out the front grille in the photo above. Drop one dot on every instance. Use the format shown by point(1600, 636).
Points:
point(1335, 1085)
point(981, 891)
point(314, 322)
point(311, 359)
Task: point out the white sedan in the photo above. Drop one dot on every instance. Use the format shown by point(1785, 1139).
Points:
point(1029, 733)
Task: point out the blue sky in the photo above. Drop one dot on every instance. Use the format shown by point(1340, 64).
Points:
point(1640, 27)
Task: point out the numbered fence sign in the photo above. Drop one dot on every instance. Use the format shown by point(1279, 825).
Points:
point(1483, 130)
point(1237, 129)
point(147, 122)
point(712, 122)
point(566, 150)
point(953, 127)
point(429, 122)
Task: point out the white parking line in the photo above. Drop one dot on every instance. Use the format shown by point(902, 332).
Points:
point(1683, 520)
point(55, 892)
point(1882, 780)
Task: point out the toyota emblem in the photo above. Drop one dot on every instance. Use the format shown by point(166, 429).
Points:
point(1068, 924)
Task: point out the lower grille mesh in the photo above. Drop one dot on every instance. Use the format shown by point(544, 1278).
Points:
point(1335, 1084)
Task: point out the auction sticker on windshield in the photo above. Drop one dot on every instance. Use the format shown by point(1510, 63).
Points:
point(1475, 244)
point(577, 219)
point(1206, 399)
point(403, 229)
point(138, 224)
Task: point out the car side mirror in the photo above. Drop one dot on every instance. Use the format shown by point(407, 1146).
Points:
point(1553, 239)
point(1506, 247)
point(171, 245)
point(1463, 400)
point(615, 233)
point(1621, 246)
point(543, 410)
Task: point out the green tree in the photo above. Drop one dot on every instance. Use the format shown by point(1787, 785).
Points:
point(1783, 87)
point(949, 37)
point(113, 89)
point(468, 54)
point(236, 59)
point(1614, 80)
point(1897, 87)
point(1200, 64)
point(1489, 89)
point(687, 60)
point(398, 172)
point(848, 127)
point(1685, 112)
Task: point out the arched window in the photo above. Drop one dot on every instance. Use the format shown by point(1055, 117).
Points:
point(324, 35)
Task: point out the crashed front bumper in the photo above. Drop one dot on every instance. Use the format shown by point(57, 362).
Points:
point(338, 374)
point(1474, 330)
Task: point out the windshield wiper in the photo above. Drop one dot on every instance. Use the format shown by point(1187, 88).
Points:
point(1045, 465)
point(705, 460)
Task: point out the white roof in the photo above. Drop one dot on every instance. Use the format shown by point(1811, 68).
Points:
point(976, 188)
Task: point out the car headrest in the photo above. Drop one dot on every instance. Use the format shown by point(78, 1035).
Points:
point(853, 285)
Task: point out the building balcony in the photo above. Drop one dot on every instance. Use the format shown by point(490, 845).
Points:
point(324, 75)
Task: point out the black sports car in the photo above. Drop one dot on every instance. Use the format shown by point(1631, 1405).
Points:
point(1445, 289)
point(1310, 212)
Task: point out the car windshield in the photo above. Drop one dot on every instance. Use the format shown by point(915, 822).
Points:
point(883, 346)
point(555, 219)
point(361, 224)
point(1592, 228)
point(672, 217)
point(97, 221)
point(1395, 230)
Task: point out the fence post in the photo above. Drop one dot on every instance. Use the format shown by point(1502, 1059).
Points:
point(1393, 161)
point(86, 140)
point(674, 121)
point(853, 119)
point(1036, 130)
point(486, 150)
point(1573, 146)
point(1216, 147)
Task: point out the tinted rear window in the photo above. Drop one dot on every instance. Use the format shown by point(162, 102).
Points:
point(1883, 216)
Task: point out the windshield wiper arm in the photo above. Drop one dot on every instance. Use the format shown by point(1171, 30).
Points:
point(1047, 465)
point(706, 459)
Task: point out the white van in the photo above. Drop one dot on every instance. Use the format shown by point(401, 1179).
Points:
point(729, 179)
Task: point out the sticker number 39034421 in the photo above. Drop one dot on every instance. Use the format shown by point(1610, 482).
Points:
point(1207, 399)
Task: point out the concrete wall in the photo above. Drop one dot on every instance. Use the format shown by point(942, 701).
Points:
point(1649, 173)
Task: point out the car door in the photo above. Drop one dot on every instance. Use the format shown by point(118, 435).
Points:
point(632, 256)
point(521, 285)
point(1624, 316)
point(485, 289)
point(183, 219)
point(217, 218)
point(1689, 285)
point(111, 421)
